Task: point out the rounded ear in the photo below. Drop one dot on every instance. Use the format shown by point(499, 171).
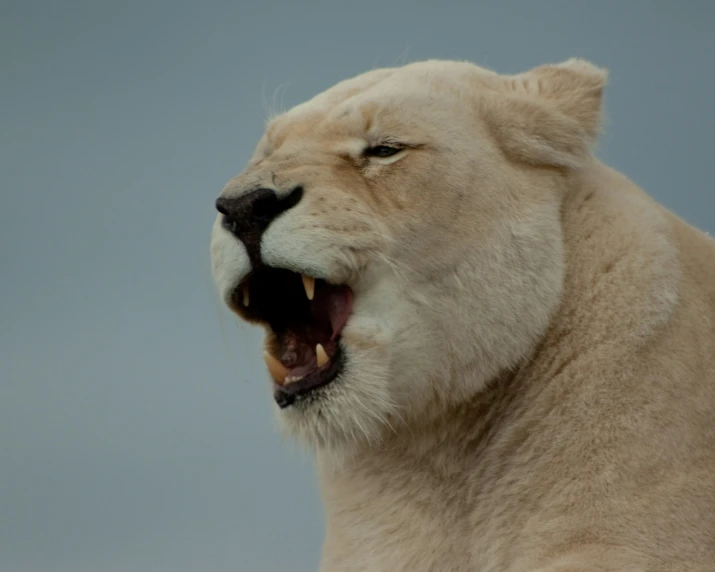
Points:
point(550, 115)
point(576, 88)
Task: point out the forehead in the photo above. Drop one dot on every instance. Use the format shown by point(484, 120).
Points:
point(381, 99)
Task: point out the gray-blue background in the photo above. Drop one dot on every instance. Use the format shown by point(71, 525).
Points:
point(135, 422)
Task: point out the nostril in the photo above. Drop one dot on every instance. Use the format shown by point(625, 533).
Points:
point(265, 207)
point(293, 198)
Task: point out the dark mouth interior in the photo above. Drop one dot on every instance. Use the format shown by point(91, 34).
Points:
point(300, 327)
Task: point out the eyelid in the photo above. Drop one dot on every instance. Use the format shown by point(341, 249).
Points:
point(388, 142)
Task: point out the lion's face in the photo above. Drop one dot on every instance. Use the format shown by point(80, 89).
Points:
point(398, 237)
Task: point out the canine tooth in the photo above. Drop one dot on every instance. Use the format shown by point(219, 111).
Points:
point(309, 285)
point(321, 356)
point(277, 370)
point(246, 295)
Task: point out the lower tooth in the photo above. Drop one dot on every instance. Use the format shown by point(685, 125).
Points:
point(321, 356)
point(293, 379)
point(276, 368)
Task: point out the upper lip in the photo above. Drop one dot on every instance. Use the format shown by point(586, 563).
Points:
point(306, 317)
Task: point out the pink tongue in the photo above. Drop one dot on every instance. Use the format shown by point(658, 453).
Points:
point(339, 305)
point(302, 370)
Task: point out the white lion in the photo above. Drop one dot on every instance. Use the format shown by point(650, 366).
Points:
point(500, 351)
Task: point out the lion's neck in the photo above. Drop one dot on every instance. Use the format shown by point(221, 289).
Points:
point(416, 485)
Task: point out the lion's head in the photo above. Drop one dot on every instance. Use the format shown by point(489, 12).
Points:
point(399, 238)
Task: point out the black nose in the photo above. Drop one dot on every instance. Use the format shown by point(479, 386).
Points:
point(249, 215)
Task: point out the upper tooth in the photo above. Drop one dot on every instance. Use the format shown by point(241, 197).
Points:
point(246, 295)
point(320, 356)
point(309, 285)
point(277, 370)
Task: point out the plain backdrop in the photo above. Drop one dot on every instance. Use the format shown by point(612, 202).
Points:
point(136, 431)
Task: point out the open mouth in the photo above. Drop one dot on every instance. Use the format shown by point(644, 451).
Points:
point(305, 317)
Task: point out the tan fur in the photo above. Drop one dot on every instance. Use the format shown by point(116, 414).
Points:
point(531, 357)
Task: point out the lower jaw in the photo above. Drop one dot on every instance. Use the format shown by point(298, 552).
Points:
point(287, 395)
